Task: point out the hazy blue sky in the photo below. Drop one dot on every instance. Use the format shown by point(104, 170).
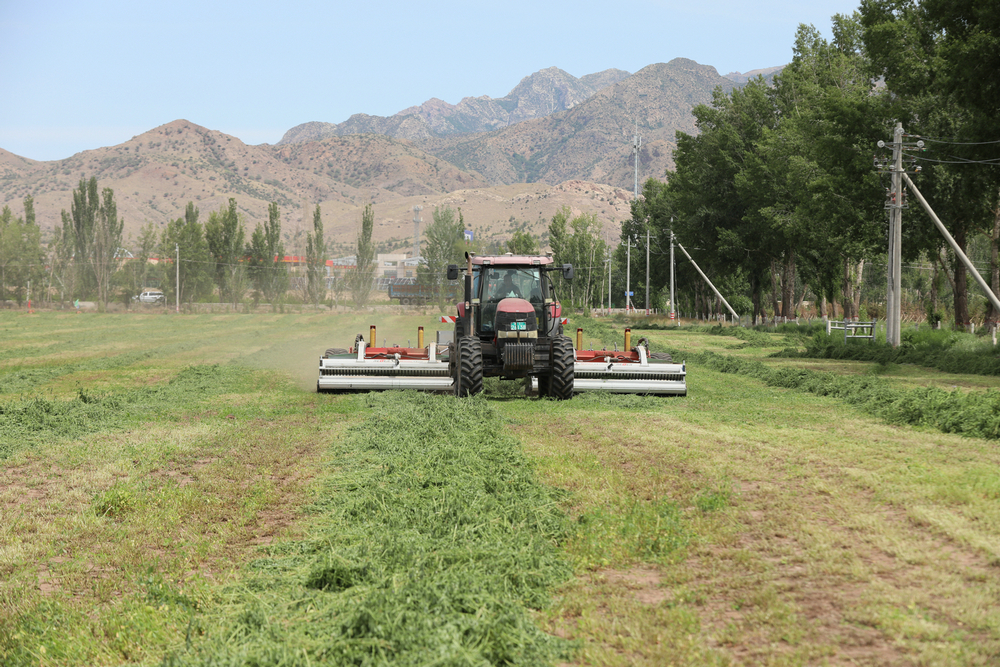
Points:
point(80, 75)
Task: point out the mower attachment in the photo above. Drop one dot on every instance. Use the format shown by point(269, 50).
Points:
point(628, 372)
point(378, 368)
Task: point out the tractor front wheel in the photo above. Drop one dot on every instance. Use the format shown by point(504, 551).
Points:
point(470, 367)
point(561, 384)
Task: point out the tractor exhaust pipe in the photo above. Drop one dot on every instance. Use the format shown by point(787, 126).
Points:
point(467, 325)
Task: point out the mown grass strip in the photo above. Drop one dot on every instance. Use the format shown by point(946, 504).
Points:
point(20, 380)
point(36, 420)
point(947, 351)
point(433, 541)
point(975, 414)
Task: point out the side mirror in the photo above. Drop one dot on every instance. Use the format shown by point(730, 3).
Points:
point(567, 272)
point(452, 272)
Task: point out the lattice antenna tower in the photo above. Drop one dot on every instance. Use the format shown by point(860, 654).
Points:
point(636, 144)
point(416, 230)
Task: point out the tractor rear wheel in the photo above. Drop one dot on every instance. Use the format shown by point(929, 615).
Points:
point(660, 356)
point(470, 367)
point(561, 383)
point(334, 351)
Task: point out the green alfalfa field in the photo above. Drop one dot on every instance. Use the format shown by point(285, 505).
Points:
point(174, 491)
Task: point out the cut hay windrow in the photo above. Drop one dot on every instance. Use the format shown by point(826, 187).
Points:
point(36, 420)
point(974, 414)
point(432, 542)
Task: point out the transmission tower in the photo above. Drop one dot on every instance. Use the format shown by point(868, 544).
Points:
point(416, 230)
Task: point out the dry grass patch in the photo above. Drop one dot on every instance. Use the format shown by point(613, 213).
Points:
point(814, 534)
point(109, 543)
point(189, 501)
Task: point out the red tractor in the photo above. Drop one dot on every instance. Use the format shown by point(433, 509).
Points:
point(510, 325)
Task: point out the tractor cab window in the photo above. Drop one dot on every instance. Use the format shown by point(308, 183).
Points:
point(520, 283)
point(505, 283)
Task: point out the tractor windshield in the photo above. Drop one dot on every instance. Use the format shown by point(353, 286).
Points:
point(504, 283)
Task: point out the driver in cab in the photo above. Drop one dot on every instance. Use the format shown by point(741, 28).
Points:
point(507, 288)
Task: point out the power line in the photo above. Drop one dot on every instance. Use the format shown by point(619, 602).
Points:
point(958, 160)
point(959, 143)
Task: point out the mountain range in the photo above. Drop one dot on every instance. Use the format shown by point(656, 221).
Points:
point(510, 163)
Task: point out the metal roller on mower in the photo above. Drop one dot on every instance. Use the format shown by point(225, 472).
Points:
point(365, 367)
point(509, 325)
point(634, 370)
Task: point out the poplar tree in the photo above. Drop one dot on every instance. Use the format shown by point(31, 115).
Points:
point(225, 234)
point(316, 260)
point(267, 253)
point(24, 244)
point(97, 235)
point(107, 242)
point(445, 245)
point(363, 276)
point(193, 276)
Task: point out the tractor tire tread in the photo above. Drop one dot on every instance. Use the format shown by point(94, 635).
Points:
point(470, 371)
point(561, 384)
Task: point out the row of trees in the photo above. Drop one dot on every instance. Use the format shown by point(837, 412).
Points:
point(777, 193)
point(22, 261)
point(88, 258)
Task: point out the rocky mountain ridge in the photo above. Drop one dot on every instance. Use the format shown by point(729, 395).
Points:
point(571, 145)
point(541, 94)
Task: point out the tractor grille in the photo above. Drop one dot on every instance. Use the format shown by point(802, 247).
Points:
point(518, 356)
point(516, 322)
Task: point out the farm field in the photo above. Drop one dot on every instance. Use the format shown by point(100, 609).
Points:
point(173, 491)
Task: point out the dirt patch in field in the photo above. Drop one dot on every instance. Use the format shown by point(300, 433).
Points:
point(14, 496)
point(217, 508)
point(847, 593)
point(643, 584)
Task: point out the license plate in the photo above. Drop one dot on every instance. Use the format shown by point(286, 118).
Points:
point(518, 326)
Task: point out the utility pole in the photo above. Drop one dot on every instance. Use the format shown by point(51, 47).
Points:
point(893, 300)
point(962, 257)
point(895, 203)
point(628, 274)
point(609, 276)
point(647, 268)
point(709, 282)
point(636, 143)
point(177, 280)
point(673, 310)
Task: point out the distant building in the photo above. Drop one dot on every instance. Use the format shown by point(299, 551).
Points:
point(388, 264)
point(408, 267)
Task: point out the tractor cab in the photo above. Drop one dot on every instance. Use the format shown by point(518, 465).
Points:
point(495, 285)
point(514, 291)
point(510, 325)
